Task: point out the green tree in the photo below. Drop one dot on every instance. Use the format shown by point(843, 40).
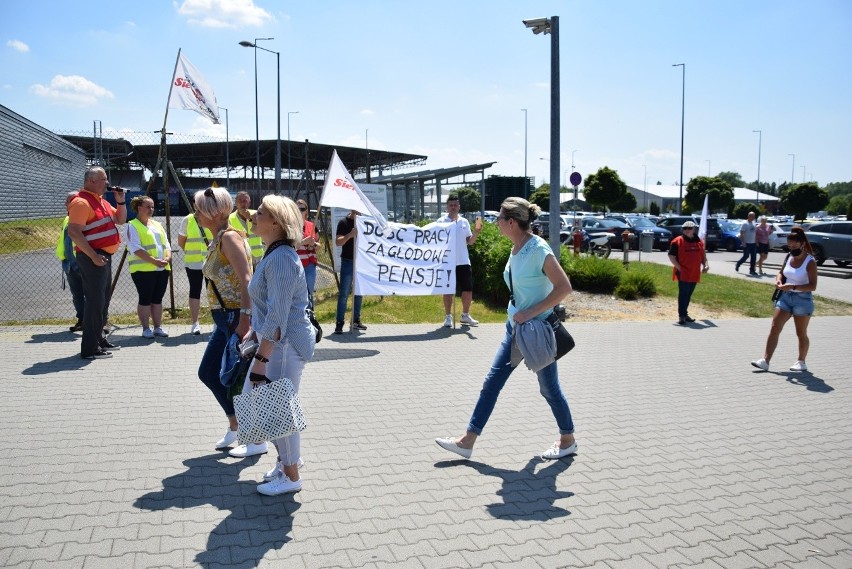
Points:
point(469, 199)
point(541, 197)
point(838, 205)
point(627, 203)
point(733, 179)
point(720, 192)
point(740, 210)
point(799, 199)
point(604, 188)
point(838, 189)
point(654, 209)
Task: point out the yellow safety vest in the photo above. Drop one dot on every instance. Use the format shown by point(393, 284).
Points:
point(195, 250)
point(60, 245)
point(146, 239)
point(255, 242)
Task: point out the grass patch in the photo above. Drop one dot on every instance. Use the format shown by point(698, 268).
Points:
point(29, 234)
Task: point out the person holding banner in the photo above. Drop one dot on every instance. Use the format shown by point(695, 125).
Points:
point(286, 338)
point(464, 277)
point(345, 238)
point(538, 283)
point(307, 249)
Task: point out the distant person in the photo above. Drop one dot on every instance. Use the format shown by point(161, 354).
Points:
point(762, 234)
point(194, 248)
point(464, 276)
point(748, 237)
point(150, 265)
point(241, 221)
point(70, 269)
point(797, 280)
point(345, 239)
point(228, 272)
point(307, 250)
point(689, 259)
point(92, 226)
point(538, 283)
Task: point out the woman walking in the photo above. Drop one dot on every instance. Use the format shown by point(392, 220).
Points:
point(797, 280)
point(279, 295)
point(762, 234)
point(228, 271)
point(538, 283)
point(149, 265)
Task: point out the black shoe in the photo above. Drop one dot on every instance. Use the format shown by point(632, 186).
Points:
point(358, 326)
point(107, 345)
point(338, 329)
point(753, 273)
point(99, 355)
point(737, 268)
point(681, 322)
point(688, 319)
point(76, 327)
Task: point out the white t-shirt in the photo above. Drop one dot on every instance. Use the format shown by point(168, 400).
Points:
point(462, 233)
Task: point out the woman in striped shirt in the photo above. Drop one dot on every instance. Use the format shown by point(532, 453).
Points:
point(279, 296)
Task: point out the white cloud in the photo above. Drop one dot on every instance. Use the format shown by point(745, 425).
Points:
point(72, 89)
point(224, 13)
point(203, 127)
point(18, 45)
point(367, 112)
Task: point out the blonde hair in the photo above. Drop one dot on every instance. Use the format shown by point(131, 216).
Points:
point(522, 211)
point(213, 202)
point(135, 202)
point(286, 214)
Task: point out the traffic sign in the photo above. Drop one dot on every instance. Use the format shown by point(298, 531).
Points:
point(576, 178)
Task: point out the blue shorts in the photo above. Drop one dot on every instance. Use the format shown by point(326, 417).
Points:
point(796, 303)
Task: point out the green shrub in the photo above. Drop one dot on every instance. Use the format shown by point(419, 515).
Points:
point(591, 274)
point(642, 282)
point(488, 258)
point(627, 290)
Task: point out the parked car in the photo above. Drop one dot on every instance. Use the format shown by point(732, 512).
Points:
point(612, 226)
point(714, 230)
point(541, 226)
point(639, 224)
point(729, 238)
point(831, 240)
point(778, 238)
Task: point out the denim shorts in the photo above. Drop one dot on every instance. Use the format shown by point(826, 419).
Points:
point(797, 303)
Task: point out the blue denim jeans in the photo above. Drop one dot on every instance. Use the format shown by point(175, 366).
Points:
point(211, 362)
point(311, 279)
point(684, 295)
point(346, 277)
point(501, 369)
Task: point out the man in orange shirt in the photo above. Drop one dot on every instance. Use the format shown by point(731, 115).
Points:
point(92, 226)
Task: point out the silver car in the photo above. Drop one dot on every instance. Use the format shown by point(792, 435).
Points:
point(831, 240)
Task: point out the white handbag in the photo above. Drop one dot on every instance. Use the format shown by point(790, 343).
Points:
point(269, 412)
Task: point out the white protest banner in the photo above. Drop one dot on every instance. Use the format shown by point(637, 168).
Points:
point(190, 91)
point(405, 260)
point(340, 190)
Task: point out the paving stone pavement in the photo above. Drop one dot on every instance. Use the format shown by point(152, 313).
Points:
point(688, 456)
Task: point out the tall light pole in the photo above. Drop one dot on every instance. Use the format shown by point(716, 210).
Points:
point(289, 173)
point(708, 168)
point(645, 187)
point(573, 152)
point(227, 152)
point(551, 26)
point(759, 145)
point(682, 116)
point(526, 183)
point(803, 173)
point(793, 171)
point(278, 110)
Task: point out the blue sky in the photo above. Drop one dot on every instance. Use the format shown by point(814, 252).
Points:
point(448, 78)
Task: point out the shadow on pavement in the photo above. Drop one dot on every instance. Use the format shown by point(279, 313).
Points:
point(526, 494)
point(56, 337)
point(360, 337)
point(325, 355)
point(256, 524)
point(67, 363)
point(809, 380)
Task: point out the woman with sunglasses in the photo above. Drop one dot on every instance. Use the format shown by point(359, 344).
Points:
point(307, 249)
point(151, 254)
point(538, 283)
point(797, 280)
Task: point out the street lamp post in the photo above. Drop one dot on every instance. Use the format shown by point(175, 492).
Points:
point(289, 172)
point(551, 26)
point(526, 182)
point(759, 145)
point(573, 152)
point(708, 168)
point(682, 116)
point(278, 110)
point(227, 152)
point(793, 171)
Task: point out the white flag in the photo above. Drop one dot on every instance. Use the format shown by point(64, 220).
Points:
point(702, 227)
point(189, 90)
point(340, 190)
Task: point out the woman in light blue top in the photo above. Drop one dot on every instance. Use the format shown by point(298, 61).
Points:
point(279, 297)
point(538, 283)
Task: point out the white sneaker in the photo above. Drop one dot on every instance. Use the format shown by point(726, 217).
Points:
point(799, 366)
point(467, 319)
point(279, 485)
point(227, 440)
point(449, 443)
point(761, 364)
point(556, 452)
point(279, 470)
point(147, 333)
point(158, 331)
point(243, 451)
point(448, 321)
point(196, 329)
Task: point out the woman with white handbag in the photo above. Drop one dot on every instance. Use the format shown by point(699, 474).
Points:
point(286, 338)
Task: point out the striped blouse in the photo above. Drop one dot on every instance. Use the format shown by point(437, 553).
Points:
point(279, 297)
